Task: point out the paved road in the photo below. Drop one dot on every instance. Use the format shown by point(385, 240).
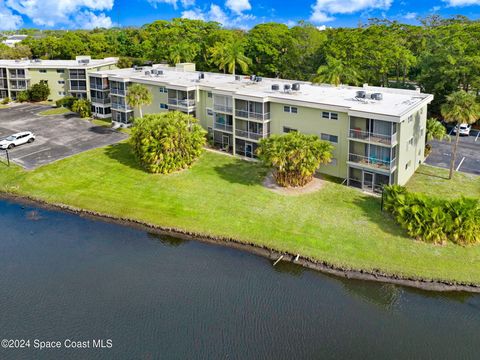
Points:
point(468, 153)
point(58, 136)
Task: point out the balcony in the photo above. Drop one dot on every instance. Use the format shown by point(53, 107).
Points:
point(18, 76)
point(223, 108)
point(222, 127)
point(121, 107)
point(252, 115)
point(100, 100)
point(116, 91)
point(250, 134)
point(388, 140)
point(181, 103)
point(78, 88)
point(371, 162)
point(94, 86)
point(77, 77)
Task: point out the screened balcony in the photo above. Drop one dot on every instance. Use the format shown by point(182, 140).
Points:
point(97, 83)
point(17, 74)
point(223, 104)
point(251, 130)
point(223, 122)
point(118, 88)
point(252, 110)
point(77, 74)
point(181, 99)
point(373, 156)
point(373, 131)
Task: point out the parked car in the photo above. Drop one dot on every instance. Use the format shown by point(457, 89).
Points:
point(17, 139)
point(464, 129)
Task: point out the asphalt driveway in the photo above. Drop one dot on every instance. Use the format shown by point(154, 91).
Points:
point(58, 136)
point(468, 153)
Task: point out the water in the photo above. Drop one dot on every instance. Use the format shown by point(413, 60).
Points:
point(67, 277)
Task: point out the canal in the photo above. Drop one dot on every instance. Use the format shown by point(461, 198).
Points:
point(63, 277)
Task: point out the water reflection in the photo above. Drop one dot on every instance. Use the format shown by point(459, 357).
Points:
point(289, 268)
point(167, 239)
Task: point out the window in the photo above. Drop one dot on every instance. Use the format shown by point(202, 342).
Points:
point(163, 89)
point(43, 71)
point(209, 94)
point(286, 129)
point(209, 112)
point(329, 115)
point(60, 71)
point(61, 93)
point(331, 138)
point(163, 106)
point(290, 109)
point(61, 82)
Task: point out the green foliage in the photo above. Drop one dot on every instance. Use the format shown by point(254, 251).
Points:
point(167, 142)
point(227, 56)
point(6, 101)
point(294, 157)
point(39, 92)
point(435, 130)
point(335, 72)
point(22, 96)
point(137, 96)
point(434, 220)
point(82, 107)
point(66, 102)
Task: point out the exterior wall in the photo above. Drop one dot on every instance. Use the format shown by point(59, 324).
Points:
point(157, 99)
point(310, 121)
point(57, 91)
point(204, 103)
point(410, 157)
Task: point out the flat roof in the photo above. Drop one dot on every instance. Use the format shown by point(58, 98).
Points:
point(41, 64)
point(396, 103)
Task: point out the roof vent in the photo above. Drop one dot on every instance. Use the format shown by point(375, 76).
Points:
point(361, 94)
point(377, 96)
point(296, 87)
point(275, 87)
point(238, 78)
point(253, 77)
point(147, 73)
point(286, 87)
point(201, 76)
point(258, 79)
point(159, 72)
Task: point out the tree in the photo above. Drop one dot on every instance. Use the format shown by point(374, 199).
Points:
point(39, 92)
point(82, 107)
point(167, 142)
point(137, 96)
point(22, 96)
point(228, 56)
point(435, 130)
point(294, 157)
point(182, 51)
point(335, 72)
point(461, 108)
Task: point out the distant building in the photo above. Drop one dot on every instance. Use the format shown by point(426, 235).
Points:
point(14, 39)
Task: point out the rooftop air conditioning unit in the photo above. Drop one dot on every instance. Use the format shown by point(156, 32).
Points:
point(154, 71)
point(238, 78)
point(286, 87)
point(361, 94)
point(253, 77)
point(275, 87)
point(147, 73)
point(296, 87)
point(258, 79)
point(377, 96)
point(201, 76)
point(159, 72)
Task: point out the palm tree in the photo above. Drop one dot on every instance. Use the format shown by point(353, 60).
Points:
point(435, 130)
point(137, 96)
point(460, 108)
point(181, 51)
point(335, 72)
point(228, 56)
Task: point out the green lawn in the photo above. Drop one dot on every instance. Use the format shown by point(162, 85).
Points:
point(55, 111)
point(223, 196)
point(434, 181)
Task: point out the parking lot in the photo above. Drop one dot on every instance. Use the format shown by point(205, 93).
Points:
point(57, 136)
point(468, 153)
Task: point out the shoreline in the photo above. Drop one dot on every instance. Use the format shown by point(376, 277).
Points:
point(269, 253)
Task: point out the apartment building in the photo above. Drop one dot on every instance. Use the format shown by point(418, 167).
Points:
point(378, 133)
point(64, 77)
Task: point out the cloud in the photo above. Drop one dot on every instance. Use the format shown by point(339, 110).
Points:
point(462, 2)
point(174, 3)
point(324, 10)
point(89, 20)
point(9, 21)
point(50, 13)
point(410, 15)
point(217, 14)
point(238, 6)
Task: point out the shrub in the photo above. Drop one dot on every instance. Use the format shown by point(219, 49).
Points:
point(82, 107)
point(6, 101)
point(434, 220)
point(66, 102)
point(22, 96)
point(164, 143)
point(294, 157)
point(39, 92)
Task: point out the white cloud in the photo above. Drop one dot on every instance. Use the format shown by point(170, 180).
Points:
point(89, 20)
point(323, 10)
point(216, 13)
point(53, 12)
point(462, 2)
point(194, 14)
point(9, 21)
point(238, 6)
point(410, 15)
point(322, 27)
point(174, 3)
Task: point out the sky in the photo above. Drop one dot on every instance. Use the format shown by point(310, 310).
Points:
point(88, 14)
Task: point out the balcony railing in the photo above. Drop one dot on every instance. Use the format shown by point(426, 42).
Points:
point(95, 86)
point(18, 76)
point(100, 100)
point(372, 137)
point(116, 91)
point(252, 115)
point(222, 127)
point(223, 108)
point(181, 103)
point(18, 87)
point(372, 162)
point(121, 107)
point(78, 88)
point(250, 134)
point(77, 77)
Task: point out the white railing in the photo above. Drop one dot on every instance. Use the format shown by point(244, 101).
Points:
point(222, 127)
point(223, 108)
point(372, 162)
point(252, 115)
point(122, 107)
point(100, 101)
point(181, 103)
point(372, 137)
point(116, 91)
point(250, 134)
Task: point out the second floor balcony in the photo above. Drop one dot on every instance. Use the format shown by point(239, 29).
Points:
point(385, 164)
point(121, 107)
point(252, 135)
point(181, 103)
point(222, 127)
point(252, 115)
point(117, 91)
point(367, 136)
point(98, 100)
point(223, 108)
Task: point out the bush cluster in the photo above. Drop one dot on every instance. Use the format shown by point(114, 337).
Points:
point(66, 102)
point(434, 220)
point(81, 106)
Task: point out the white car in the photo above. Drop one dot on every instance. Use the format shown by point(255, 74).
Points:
point(464, 129)
point(17, 139)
